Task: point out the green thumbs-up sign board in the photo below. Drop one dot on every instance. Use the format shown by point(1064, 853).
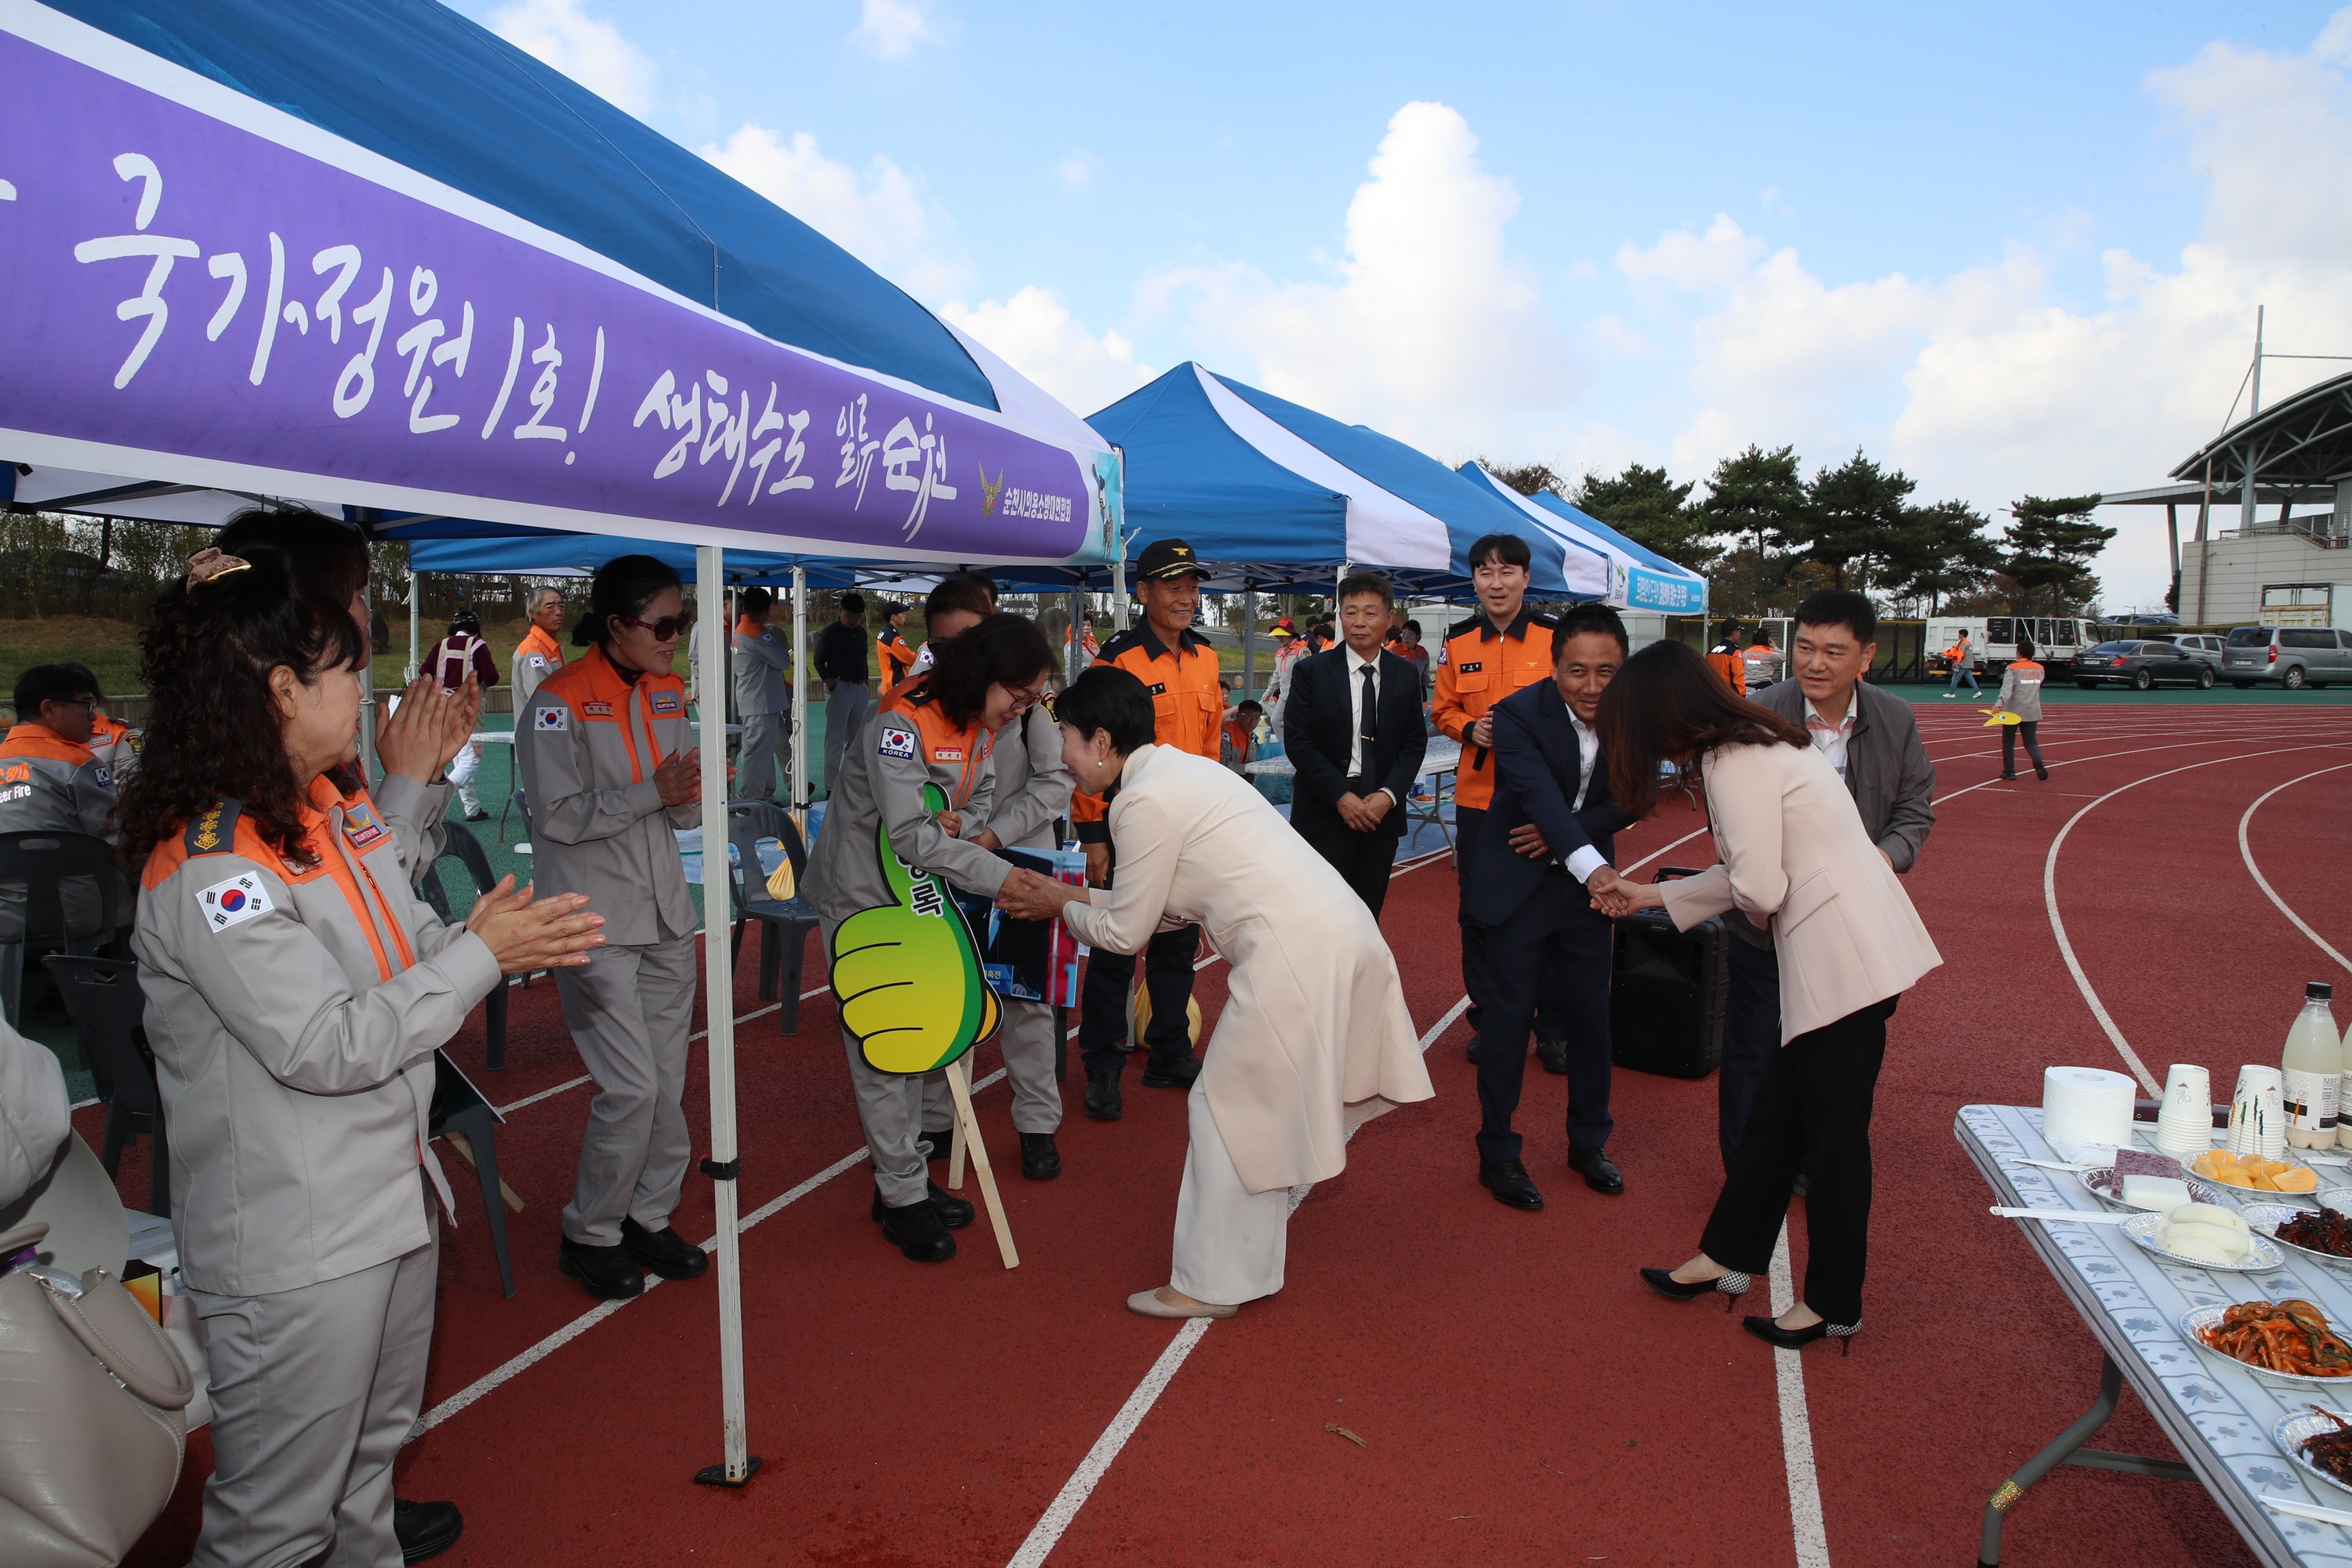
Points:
point(908, 973)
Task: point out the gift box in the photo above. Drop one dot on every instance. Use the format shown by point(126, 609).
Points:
point(1036, 961)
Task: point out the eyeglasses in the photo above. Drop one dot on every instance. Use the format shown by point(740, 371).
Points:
point(669, 627)
point(88, 704)
point(1027, 697)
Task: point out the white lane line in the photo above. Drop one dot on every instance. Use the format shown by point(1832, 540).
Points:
point(2058, 926)
point(489, 1382)
point(1797, 1426)
point(2245, 852)
point(1064, 1509)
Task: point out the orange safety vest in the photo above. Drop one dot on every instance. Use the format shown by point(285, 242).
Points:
point(1188, 707)
point(1477, 667)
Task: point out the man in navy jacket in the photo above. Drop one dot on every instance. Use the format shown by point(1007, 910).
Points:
point(1352, 726)
point(1550, 829)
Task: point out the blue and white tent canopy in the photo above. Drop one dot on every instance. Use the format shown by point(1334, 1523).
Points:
point(1272, 494)
point(1602, 564)
point(369, 255)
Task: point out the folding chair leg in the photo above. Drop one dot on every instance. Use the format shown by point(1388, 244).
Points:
point(480, 1129)
point(494, 1024)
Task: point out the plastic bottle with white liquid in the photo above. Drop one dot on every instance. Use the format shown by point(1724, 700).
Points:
point(2343, 1095)
point(2314, 1070)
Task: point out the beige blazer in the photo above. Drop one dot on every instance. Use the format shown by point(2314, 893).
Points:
point(1794, 850)
point(1315, 1036)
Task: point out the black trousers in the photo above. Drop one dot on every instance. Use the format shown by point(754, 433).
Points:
point(1552, 1010)
point(1559, 945)
point(1102, 1000)
point(2009, 738)
point(1364, 859)
point(1812, 1111)
point(1751, 1034)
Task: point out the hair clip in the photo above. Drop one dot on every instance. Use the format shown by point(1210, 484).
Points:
point(210, 562)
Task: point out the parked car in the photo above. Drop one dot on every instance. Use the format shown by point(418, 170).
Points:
point(2206, 646)
point(2141, 665)
point(2294, 656)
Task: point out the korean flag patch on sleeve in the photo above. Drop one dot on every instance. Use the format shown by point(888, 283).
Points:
point(238, 898)
point(895, 744)
point(553, 717)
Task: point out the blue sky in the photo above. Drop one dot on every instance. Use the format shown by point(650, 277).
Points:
point(2009, 247)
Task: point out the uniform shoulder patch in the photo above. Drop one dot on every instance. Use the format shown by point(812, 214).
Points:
point(104, 778)
point(896, 742)
point(554, 717)
point(666, 702)
point(1119, 643)
point(212, 831)
point(536, 660)
point(239, 898)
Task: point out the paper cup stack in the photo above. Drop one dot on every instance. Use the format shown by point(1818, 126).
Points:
point(2258, 1113)
point(2087, 1105)
point(2184, 1126)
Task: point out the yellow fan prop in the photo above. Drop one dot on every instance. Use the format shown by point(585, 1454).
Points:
point(1139, 1016)
point(2000, 716)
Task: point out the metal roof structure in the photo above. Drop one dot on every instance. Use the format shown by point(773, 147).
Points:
point(2304, 441)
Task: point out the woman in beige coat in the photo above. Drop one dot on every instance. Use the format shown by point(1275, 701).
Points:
point(1793, 851)
point(1315, 1037)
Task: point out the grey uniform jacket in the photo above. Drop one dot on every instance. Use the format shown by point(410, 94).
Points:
point(48, 784)
point(761, 664)
point(294, 1016)
point(587, 744)
point(2020, 692)
point(1033, 785)
point(888, 762)
point(1886, 772)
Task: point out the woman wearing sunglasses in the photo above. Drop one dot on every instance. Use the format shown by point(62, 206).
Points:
point(936, 732)
point(608, 769)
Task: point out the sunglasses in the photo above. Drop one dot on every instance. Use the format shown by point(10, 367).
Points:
point(666, 628)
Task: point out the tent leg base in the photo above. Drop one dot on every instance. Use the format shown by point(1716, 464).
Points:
point(715, 1475)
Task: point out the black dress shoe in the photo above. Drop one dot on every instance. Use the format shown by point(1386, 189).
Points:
point(1177, 1072)
point(426, 1529)
point(1040, 1160)
point(1733, 1285)
point(664, 1251)
point(606, 1271)
point(1553, 1054)
point(1772, 1333)
point(2007, 778)
point(1102, 1094)
point(915, 1230)
point(937, 1144)
point(1509, 1182)
point(2041, 771)
point(1599, 1172)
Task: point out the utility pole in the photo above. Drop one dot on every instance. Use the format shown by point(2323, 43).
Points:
point(2246, 494)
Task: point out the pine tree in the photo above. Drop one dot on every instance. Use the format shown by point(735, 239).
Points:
point(1758, 497)
point(2052, 541)
point(1652, 511)
point(1941, 549)
point(1857, 511)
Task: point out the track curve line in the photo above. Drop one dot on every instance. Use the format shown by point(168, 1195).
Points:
point(2058, 925)
point(2246, 853)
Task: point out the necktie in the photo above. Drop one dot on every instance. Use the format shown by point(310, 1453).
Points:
point(1368, 726)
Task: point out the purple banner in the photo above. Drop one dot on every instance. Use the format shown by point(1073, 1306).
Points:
point(175, 286)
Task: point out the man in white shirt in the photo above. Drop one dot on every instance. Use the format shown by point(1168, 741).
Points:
point(1352, 728)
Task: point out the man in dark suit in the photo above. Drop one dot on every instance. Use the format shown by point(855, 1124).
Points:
point(1352, 728)
point(1550, 831)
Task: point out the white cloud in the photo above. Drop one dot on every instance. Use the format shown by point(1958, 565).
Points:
point(1077, 171)
point(592, 53)
point(1434, 331)
point(878, 216)
point(1037, 335)
point(893, 29)
point(1983, 385)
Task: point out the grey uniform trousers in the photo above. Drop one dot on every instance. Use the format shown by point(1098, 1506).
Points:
point(845, 714)
point(763, 756)
point(1026, 1038)
point(313, 1391)
point(630, 1011)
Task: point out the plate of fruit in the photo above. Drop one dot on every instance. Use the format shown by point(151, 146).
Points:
point(2253, 1173)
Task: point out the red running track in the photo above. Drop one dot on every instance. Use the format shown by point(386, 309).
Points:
point(1521, 1398)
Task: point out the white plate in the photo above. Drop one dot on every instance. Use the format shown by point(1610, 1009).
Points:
point(2336, 1198)
point(2101, 1184)
point(2198, 1318)
point(2289, 1435)
point(2263, 1194)
point(2265, 1218)
point(2142, 1227)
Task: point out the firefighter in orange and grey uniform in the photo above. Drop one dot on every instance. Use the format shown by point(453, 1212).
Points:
point(52, 781)
point(1178, 668)
point(1482, 660)
point(609, 767)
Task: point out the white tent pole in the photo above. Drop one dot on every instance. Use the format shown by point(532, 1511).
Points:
point(800, 685)
point(414, 598)
point(1119, 585)
point(718, 993)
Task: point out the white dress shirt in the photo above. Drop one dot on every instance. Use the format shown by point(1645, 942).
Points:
point(1582, 863)
point(1356, 664)
point(1829, 738)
